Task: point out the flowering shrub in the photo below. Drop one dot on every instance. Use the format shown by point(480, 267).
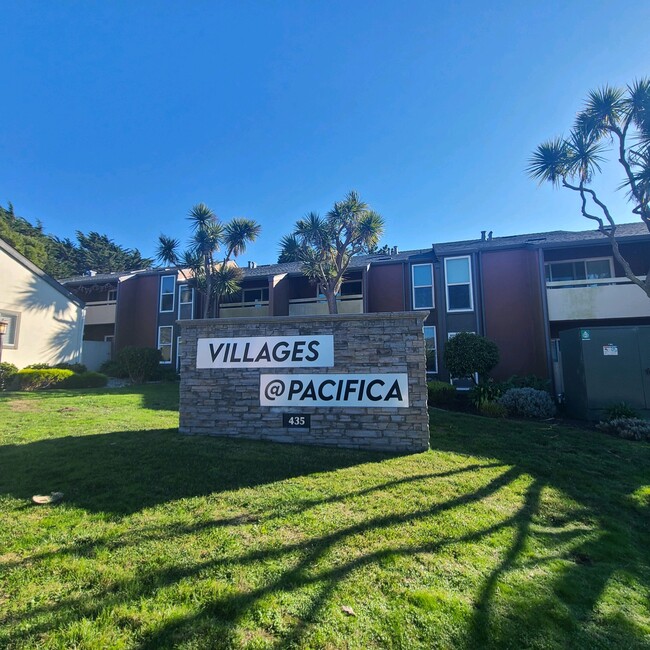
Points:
point(628, 428)
point(528, 403)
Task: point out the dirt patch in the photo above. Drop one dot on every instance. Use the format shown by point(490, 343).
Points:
point(22, 406)
point(67, 409)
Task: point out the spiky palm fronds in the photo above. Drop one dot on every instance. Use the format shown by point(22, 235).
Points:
point(549, 162)
point(583, 155)
point(200, 216)
point(605, 106)
point(167, 250)
point(290, 249)
point(226, 280)
point(238, 232)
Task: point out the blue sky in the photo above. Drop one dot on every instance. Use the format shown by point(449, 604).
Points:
point(119, 116)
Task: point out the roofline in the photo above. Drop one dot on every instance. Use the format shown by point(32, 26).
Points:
point(30, 266)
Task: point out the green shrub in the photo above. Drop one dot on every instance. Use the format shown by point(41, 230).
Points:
point(466, 354)
point(493, 410)
point(38, 379)
point(75, 367)
point(38, 366)
point(528, 403)
point(441, 394)
point(7, 371)
point(141, 364)
point(628, 428)
point(619, 410)
point(85, 380)
point(167, 374)
point(527, 381)
point(114, 368)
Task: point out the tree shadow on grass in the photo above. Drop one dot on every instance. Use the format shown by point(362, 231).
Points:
point(127, 471)
point(599, 474)
point(524, 598)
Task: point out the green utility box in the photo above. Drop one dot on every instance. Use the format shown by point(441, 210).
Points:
point(602, 366)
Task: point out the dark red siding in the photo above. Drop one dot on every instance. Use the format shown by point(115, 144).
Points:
point(137, 312)
point(514, 317)
point(387, 288)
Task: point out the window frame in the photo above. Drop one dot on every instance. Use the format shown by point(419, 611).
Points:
point(171, 293)
point(433, 338)
point(8, 314)
point(612, 270)
point(460, 284)
point(178, 353)
point(422, 286)
point(170, 344)
point(180, 303)
point(260, 289)
point(109, 293)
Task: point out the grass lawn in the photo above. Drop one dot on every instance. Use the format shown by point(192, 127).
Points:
point(504, 535)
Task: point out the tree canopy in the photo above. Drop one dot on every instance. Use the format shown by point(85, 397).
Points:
point(214, 275)
point(64, 257)
point(325, 246)
point(615, 119)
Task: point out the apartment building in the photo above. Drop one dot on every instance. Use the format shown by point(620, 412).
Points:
point(520, 291)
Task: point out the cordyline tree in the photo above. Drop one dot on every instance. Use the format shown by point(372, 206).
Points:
point(325, 246)
point(210, 254)
point(619, 118)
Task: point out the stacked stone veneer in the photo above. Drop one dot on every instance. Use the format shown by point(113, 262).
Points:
point(226, 402)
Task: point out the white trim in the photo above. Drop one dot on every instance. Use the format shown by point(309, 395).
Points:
point(170, 344)
point(421, 286)
point(178, 354)
point(460, 284)
point(172, 293)
point(433, 338)
point(180, 289)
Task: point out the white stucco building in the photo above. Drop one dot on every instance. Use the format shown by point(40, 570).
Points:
point(45, 320)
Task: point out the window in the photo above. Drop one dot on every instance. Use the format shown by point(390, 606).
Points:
point(348, 289)
point(165, 334)
point(178, 354)
point(458, 281)
point(431, 349)
point(10, 338)
point(256, 295)
point(351, 288)
point(422, 275)
point(167, 288)
point(594, 269)
point(112, 295)
point(185, 302)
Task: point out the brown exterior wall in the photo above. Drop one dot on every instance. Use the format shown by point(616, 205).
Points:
point(387, 288)
point(514, 317)
point(137, 312)
point(279, 295)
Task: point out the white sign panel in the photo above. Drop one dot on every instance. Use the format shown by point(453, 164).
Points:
point(610, 350)
point(367, 390)
point(266, 352)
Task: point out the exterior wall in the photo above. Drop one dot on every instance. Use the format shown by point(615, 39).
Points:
point(226, 401)
point(279, 287)
point(387, 288)
point(514, 317)
point(50, 325)
point(137, 312)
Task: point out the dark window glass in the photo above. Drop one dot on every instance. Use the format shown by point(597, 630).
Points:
point(351, 288)
point(459, 297)
point(423, 297)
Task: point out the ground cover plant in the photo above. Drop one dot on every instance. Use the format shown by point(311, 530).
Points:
point(504, 535)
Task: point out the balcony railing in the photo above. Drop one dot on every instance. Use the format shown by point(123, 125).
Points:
point(318, 306)
point(595, 299)
point(101, 312)
point(244, 309)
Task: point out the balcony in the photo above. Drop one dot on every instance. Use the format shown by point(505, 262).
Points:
point(318, 306)
point(244, 309)
point(101, 313)
point(595, 299)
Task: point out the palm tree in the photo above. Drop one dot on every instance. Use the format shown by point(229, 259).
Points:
point(325, 246)
point(213, 278)
point(610, 116)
